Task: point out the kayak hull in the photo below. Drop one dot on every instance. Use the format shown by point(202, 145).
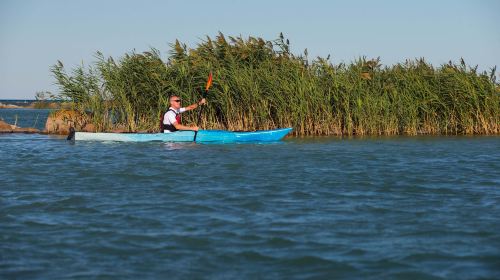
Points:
point(204, 136)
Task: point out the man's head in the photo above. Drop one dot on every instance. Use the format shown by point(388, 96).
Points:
point(175, 102)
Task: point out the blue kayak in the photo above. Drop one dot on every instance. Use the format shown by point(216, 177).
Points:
point(203, 136)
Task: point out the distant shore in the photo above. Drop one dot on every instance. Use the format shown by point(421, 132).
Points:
point(30, 104)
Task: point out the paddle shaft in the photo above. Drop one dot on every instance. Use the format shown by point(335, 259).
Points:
point(204, 95)
point(199, 117)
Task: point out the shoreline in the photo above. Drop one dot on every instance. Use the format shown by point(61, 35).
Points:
point(10, 128)
point(11, 106)
point(33, 105)
point(58, 123)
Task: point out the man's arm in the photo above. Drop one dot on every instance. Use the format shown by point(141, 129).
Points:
point(184, 127)
point(195, 105)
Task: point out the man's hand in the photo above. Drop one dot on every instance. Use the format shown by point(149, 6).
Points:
point(202, 101)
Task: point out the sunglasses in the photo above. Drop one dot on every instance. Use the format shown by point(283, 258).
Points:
point(177, 100)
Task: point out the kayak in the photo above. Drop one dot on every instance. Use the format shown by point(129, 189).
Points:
point(203, 136)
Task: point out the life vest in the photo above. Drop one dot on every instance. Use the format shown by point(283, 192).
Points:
point(170, 127)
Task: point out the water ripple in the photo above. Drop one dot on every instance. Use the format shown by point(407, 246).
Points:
point(374, 208)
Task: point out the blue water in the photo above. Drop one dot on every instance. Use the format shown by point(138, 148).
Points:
point(25, 117)
point(370, 208)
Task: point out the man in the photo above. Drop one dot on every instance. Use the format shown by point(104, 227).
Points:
point(172, 118)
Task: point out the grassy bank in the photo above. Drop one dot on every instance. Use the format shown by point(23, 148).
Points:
point(259, 84)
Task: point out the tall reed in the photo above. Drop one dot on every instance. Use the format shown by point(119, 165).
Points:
point(259, 84)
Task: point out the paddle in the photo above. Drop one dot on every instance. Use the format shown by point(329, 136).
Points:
point(71, 135)
point(204, 95)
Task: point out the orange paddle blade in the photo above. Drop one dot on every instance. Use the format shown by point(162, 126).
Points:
point(209, 82)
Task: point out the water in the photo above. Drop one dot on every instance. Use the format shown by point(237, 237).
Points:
point(25, 117)
point(372, 208)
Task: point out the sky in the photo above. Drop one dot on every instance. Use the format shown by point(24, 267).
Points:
point(35, 34)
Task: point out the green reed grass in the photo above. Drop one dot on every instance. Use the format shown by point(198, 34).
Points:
point(259, 84)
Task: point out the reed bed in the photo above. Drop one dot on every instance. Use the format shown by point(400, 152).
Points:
point(259, 84)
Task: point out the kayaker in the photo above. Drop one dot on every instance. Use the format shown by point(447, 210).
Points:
point(172, 118)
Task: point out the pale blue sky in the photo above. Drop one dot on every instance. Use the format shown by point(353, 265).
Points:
point(35, 34)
